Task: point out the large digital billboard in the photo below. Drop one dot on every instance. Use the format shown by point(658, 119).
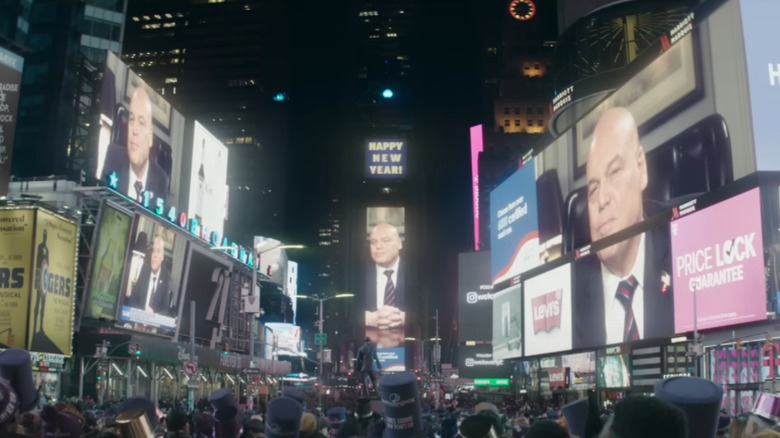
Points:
point(271, 259)
point(282, 339)
point(478, 361)
point(514, 231)
point(10, 82)
point(763, 73)
point(150, 291)
point(623, 292)
point(385, 295)
point(613, 371)
point(719, 256)
point(16, 236)
point(53, 289)
point(207, 279)
point(507, 326)
point(386, 158)
point(548, 311)
point(475, 297)
point(108, 264)
point(208, 175)
point(141, 135)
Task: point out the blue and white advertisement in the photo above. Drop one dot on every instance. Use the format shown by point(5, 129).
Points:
point(763, 69)
point(386, 158)
point(514, 225)
point(392, 359)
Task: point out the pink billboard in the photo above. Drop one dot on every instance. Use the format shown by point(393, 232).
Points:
point(718, 255)
point(476, 148)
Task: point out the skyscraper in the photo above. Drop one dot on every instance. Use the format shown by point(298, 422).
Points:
point(225, 64)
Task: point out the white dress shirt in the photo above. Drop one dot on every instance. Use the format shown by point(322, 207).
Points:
point(381, 282)
point(152, 285)
point(133, 178)
point(614, 312)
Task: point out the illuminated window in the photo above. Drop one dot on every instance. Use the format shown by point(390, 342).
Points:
point(392, 35)
point(136, 19)
point(169, 24)
point(157, 16)
point(151, 26)
point(146, 18)
point(506, 122)
point(168, 15)
point(171, 80)
point(175, 61)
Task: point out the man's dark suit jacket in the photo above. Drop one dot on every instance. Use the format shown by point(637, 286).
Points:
point(117, 161)
point(161, 301)
point(400, 297)
point(589, 329)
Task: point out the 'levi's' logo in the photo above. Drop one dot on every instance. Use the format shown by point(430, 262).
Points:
point(547, 311)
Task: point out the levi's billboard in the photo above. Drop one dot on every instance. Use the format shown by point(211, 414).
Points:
point(548, 312)
point(718, 255)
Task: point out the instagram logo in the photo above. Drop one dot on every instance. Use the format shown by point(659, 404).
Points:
point(471, 297)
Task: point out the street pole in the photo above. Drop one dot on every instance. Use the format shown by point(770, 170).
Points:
point(320, 373)
point(190, 389)
point(436, 360)
point(252, 315)
point(695, 337)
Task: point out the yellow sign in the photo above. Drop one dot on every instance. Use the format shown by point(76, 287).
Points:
point(16, 233)
point(53, 290)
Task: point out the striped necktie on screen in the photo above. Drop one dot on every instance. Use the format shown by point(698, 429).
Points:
point(389, 289)
point(625, 294)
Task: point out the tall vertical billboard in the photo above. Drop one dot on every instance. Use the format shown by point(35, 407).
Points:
point(291, 287)
point(50, 322)
point(475, 297)
point(477, 145)
point(108, 264)
point(386, 158)
point(208, 174)
point(386, 296)
point(141, 138)
point(16, 237)
point(10, 82)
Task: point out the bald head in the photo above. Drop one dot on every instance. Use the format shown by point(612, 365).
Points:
point(616, 176)
point(385, 245)
point(139, 131)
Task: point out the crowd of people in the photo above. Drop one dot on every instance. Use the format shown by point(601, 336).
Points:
point(682, 407)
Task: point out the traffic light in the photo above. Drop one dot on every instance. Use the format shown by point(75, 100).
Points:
point(388, 93)
point(226, 349)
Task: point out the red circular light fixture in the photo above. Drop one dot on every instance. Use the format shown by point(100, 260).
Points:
point(522, 9)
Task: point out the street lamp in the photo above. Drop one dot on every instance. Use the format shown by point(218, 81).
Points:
point(320, 322)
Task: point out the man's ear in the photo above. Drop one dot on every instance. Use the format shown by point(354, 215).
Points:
point(641, 162)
